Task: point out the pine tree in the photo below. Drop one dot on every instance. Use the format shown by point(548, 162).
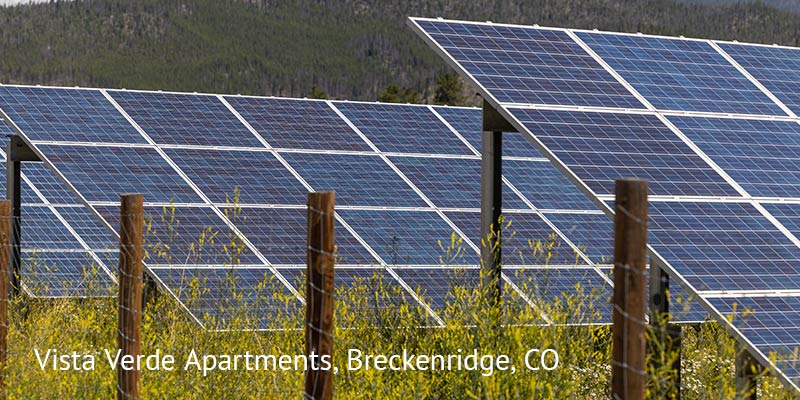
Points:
point(449, 90)
point(396, 94)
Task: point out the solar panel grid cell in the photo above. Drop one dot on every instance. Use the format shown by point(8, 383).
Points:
point(186, 119)
point(298, 124)
point(528, 65)
point(58, 114)
point(679, 74)
point(601, 147)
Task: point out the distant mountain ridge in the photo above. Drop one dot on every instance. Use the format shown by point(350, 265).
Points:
point(351, 48)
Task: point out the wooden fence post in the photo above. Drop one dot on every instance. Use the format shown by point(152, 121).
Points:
point(129, 330)
point(319, 294)
point(5, 276)
point(628, 310)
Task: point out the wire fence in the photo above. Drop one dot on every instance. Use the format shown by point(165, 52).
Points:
point(247, 336)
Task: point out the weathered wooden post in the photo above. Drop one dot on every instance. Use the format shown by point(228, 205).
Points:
point(629, 305)
point(129, 330)
point(319, 294)
point(5, 246)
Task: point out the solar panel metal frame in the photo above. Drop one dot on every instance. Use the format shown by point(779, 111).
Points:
point(600, 201)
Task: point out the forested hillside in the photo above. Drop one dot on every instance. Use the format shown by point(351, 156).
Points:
point(791, 5)
point(350, 48)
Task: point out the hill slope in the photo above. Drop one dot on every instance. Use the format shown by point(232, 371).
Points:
point(351, 48)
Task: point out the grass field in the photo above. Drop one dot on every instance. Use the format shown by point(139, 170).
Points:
point(371, 317)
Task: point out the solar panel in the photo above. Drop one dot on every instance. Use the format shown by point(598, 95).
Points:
point(575, 295)
point(545, 186)
point(88, 227)
point(680, 74)
point(467, 121)
point(410, 129)
point(221, 298)
point(760, 155)
point(187, 237)
point(591, 233)
point(48, 233)
point(280, 235)
point(527, 239)
point(723, 246)
point(244, 177)
point(102, 173)
point(449, 183)
point(448, 290)
point(403, 237)
point(366, 293)
point(298, 124)
point(186, 119)
point(770, 324)
point(709, 235)
point(359, 180)
point(528, 65)
point(777, 68)
point(601, 147)
point(58, 114)
point(64, 274)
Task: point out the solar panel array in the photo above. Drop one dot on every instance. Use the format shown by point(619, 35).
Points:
point(710, 124)
point(225, 180)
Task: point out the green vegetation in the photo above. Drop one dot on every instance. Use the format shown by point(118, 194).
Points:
point(351, 49)
point(372, 315)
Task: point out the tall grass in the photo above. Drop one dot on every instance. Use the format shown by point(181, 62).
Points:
point(372, 315)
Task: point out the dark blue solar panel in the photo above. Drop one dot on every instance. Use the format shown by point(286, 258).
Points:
point(47, 182)
point(592, 233)
point(771, 324)
point(298, 124)
point(403, 129)
point(777, 68)
point(762, 156)
point(529, 65)
point(42, 230)
point(362, 180)
point(527, 239)
point(89, 227)
point(679, 74)
point(186, 235)
point(280, 235)
point(103, 173)
point(683, 307)
point(451, 182)
point(363, 290)
point(76, 115)
point(234, 297)
point(449, 290)
point(545, 186)
point(723, 246)
point(603, 147)
point(468, 122)
point(64, 274)
point(185, 119)
point(787, 214)
point(409, 237)
point(569, 295)
point(259, 176)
